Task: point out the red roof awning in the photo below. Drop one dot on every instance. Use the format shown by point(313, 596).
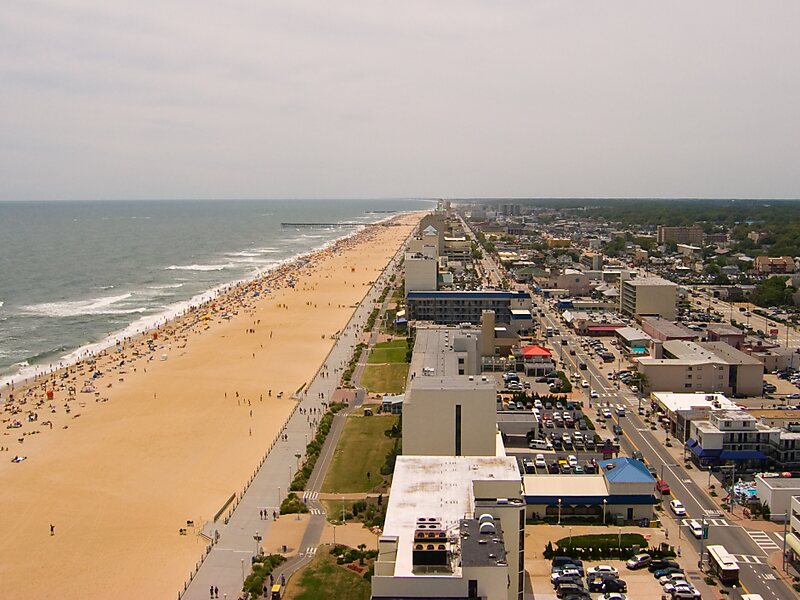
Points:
point(534, 350)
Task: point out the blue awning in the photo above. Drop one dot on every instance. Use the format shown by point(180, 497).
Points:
point(699, 452)
point(742, 455)
point(691, 443)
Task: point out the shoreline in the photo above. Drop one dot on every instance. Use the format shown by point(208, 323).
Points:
point(27, 374)
point(173, 429)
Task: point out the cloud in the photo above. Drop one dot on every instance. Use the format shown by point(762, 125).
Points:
point(364, 99)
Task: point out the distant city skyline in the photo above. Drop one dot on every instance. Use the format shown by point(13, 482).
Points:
point(468, 99)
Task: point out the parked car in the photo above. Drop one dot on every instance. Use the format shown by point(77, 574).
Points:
point(638, 561)
point(659, 564)
point(602, 569)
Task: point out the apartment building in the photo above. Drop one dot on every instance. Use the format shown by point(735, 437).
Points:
point(648, 296)
point(703, 366)
point(765, 265)
point(680, 235)
point(732, 436)
point(455, 307)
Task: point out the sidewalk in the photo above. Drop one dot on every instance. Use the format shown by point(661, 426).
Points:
point(233, 538)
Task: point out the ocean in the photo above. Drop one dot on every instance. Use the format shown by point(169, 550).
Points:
point(77, 275)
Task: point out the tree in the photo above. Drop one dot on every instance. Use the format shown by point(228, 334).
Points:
point(361, 547)
point(772, 292)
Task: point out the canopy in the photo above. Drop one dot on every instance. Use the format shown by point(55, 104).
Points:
point(534, 350)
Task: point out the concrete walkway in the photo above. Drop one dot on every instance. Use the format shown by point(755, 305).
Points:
point(233, 535)
point(316, 524)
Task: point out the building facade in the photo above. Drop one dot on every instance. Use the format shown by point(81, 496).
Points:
point(648, 296)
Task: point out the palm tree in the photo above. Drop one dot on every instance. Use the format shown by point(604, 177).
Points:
point(361, 547)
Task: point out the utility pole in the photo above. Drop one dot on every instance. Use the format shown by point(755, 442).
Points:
point(702, 543)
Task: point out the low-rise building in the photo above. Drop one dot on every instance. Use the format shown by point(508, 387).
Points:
point(679, 366)
point(680, 235)
point(730, 436)
point(766, 265)
point(624, 489)
point(777, 492)
point(663, 330)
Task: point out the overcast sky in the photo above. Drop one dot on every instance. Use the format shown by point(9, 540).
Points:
point(435, 98)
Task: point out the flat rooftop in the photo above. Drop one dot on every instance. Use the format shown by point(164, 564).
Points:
point(785, 483)
point(670, 329)
point(440, 487)
point(433, 353)
point(565, 485)
point(677, 401)
point(650, 281)
point(454, 382)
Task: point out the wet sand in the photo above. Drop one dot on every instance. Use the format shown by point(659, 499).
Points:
point(152, 443)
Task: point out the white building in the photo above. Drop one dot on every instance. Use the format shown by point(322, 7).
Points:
point(454, 529)
point(777, 492)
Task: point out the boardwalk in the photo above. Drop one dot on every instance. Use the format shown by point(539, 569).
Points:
point(228, 562)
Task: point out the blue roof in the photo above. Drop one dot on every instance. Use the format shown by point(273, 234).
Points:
point(626, 470)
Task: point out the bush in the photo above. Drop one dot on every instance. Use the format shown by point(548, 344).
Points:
point(292, 505)
point(262, 567)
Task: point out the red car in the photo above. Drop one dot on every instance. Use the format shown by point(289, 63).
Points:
point(663, 487)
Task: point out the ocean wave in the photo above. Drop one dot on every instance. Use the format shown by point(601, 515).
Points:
point(244, 253)
point(166, 286)
point(200, 267)
point(266, 250)
point(75, 308)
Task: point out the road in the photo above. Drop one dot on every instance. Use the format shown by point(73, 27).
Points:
point(750, 547)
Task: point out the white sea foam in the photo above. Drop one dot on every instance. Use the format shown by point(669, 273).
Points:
point(200, 267)
point(75, 308)
point(149, 322)
point(166, 286)
point(247, 254)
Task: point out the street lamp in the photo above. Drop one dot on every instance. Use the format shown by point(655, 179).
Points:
point(619, 538)
point(605, 501)
point(559, 511)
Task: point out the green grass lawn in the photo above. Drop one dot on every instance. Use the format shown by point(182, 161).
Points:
point(323, 578)
point(393, 351)
point(385, 379)
point(362, 448)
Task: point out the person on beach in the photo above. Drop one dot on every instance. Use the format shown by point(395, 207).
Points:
point(52, 529)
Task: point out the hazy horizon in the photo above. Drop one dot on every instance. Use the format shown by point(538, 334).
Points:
point(462, 100)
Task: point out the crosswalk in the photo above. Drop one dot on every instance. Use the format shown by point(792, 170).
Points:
point(750, 559)
point(316, 511)
point(310, 496)
point(763, 540)
point(709, 522)
point(310, 551)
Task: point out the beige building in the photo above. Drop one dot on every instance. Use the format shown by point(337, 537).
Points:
point(702, 366)
point(421, 272)
point(450, 416)
point(648, 296)
point(680, 235)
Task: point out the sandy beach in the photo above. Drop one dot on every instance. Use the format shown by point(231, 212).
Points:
point(170, 429)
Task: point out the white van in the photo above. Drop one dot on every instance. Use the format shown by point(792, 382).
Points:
point(537, 445)
point(696, 527)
